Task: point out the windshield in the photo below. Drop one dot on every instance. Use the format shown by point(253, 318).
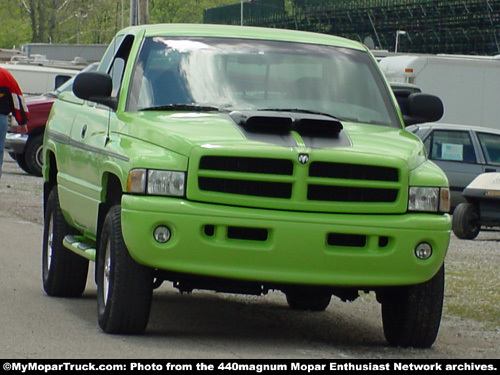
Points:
point(242, 74)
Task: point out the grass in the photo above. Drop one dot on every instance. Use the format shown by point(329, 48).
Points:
point(472, 292)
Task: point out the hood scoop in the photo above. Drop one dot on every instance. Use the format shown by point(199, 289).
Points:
point(270, 122)
point(317, 131)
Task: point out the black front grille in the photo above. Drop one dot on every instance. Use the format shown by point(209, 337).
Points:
point(350, 194)
point(247, 165)
point(318, 181)
point(353, 171)
point(245, 187)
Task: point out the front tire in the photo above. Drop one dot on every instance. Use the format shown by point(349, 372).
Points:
point(466, 223)
point(64, 273)
point(124, 287)
point(411, 314)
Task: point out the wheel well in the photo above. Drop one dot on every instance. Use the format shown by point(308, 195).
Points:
point(51, 177)
point(112, 196)
point(37, 131)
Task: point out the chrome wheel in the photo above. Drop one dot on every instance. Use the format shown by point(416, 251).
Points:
point(107, 273)
point(64, 273)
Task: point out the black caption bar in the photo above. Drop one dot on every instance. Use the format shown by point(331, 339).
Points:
point(251, 366)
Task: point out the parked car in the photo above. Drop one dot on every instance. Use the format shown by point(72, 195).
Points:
point(482, 208)
point(26, 149)
point(462, 152)
point(243, 159)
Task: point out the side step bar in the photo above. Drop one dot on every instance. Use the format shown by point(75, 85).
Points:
point(77, 245)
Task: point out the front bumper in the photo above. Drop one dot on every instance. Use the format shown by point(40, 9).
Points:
point(273, 246)
point(15, 142)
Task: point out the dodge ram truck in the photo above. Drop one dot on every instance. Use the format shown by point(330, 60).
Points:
point(244, 160)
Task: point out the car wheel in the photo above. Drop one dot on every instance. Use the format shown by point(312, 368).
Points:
point(310, 299)
point(64, 273)
point(33, 155)
point(465, 223)
point(21, 161)
point(124, 287)
point(411, 315)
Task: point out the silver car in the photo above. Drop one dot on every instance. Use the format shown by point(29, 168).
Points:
point(463, 152)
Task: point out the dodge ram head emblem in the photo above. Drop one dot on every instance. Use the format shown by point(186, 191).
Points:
point(303, 158)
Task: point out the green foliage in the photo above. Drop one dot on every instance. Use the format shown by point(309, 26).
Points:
point(175, 11)
point(15, 28)
point(86, 21)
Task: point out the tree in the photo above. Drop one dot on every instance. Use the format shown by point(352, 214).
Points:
point(87, 21)
point(13, 17)
point(189, 11)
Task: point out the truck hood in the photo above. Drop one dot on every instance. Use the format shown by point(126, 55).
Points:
point(182, 132)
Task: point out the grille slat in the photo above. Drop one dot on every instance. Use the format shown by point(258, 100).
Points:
point(353, 171)
point(244, 187)
point(350, 194)
point(246, 164)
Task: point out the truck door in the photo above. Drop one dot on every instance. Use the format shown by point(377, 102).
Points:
point(89, 137)
point(454, 152)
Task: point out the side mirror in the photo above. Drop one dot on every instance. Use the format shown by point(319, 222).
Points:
point(420, 108)
point(95, 87)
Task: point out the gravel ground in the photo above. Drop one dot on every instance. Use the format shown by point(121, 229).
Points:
point(471, 322)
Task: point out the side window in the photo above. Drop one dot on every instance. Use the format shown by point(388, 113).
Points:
point(119, 62)
point(451, 146)
point(116, 74)
point(110, 52)
point(490, 143)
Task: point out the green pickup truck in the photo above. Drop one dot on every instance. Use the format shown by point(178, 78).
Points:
point(244, 160)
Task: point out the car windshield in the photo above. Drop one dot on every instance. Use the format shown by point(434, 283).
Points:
point(243, 74)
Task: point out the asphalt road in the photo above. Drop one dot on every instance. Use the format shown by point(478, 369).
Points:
point(201, 324)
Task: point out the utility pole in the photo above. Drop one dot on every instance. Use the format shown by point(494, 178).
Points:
point(139, 12)
point(241, 13)
point(134, 20)
point(144, 11)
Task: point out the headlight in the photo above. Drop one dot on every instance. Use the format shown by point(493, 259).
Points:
point(429, 199)
point(156, 182)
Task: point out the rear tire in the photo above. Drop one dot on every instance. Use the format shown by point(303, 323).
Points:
point(64, 273)
point(466, 223)
point(124, 287)
point(411, 314)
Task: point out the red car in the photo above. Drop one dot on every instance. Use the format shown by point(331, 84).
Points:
point(26, 149)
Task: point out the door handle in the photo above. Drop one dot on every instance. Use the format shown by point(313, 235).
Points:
point(84, 130)
point(490, 169)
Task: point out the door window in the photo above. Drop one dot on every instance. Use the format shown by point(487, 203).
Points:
point(490, 143)
point(451, 146)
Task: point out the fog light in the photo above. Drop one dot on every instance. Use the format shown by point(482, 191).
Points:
point(162, 234)
point(423, 251)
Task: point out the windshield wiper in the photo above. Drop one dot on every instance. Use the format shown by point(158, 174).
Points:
point(182, 107)
point(299, 110)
